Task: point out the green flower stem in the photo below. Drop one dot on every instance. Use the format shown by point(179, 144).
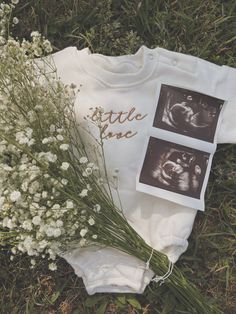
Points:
point(127, 240)
point(186, 293)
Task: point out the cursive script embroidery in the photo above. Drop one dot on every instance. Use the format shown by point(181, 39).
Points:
point(111, 117)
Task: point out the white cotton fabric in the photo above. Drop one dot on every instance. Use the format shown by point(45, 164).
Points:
point(119, 84)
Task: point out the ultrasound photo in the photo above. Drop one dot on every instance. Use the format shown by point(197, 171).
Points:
point(174, 167)
point(187, 112)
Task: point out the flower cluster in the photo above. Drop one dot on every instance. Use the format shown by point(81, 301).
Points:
point(46, 177)
point(5, 12)
point(33, 202)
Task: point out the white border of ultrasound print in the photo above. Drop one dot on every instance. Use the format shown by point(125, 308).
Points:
point(169, 195)
point(184, 140)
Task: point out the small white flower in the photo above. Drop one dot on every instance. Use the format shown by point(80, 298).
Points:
point(38, 51)
point(97, 208)
point(83, 193)
point(52, 254)
point(56, 232)
point(65, 165)
point(59, 223)
point(34, 187)
point(31, 115)
point(47, 45)
point(24, 186)
point(52, 128)
point(6, 167)
point(82, 242)
point(60, 137)
point(35, 34)
point(83, 232)
point(14, 1)
point(64, 146)
point(15, 196)
point(91, 221)
point(42, 244)
point(36, 220)
point(88, 171)
point(51, 157)
point(15, 20)
point(64, 181)
point(44, 194)
point(94, 236)
point(52, 266)
point(83, 160)
point(33, 262)
point(69, 205)
point(37, 197)
point(29, 132)
point(27, 225)
point(89, 187)
point(100, 181)
point(49, 231)
point(28, 242)
point(21, 138)
point(46, 140)
point(13, 250)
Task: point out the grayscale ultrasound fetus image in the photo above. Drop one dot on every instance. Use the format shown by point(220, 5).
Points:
point(187, 112)
point(174, 167)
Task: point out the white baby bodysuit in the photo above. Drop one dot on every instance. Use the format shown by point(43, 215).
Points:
point(126, 88)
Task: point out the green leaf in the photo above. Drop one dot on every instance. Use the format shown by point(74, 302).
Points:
point(135, 303)
point(55, 296)
point(121, 299)
point(91, 301)
point(119, 305)
point(29, 308)
point(102, 308)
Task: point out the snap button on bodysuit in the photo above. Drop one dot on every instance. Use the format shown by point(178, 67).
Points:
point(174, 62)
point(150, 55)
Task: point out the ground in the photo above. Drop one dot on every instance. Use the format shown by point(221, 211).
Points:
point(203, 28)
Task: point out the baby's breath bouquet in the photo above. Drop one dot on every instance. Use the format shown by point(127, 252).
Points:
point(53, 194)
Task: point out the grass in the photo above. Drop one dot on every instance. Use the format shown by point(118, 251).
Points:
point(202, 28)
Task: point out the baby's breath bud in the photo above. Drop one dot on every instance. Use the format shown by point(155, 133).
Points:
point(52, 266)
point(83, 160)
point(91, 221)
point(69, 205)
point(83, 193)
point(83, 232)
point(15, 196)
point(65, 165)
point(15, 20)
point(64, 146)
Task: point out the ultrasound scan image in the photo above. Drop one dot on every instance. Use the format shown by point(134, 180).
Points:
point(187, 112)
point(174, 167)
